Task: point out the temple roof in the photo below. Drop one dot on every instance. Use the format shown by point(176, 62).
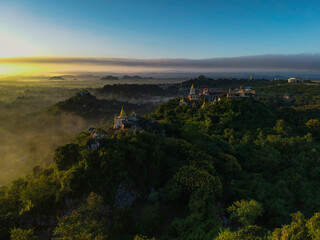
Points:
point(204, 103)
point(122, 113)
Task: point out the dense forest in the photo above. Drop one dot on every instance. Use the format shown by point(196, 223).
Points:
point(176, 89)
point(91, 108)
point(134, 91)
point(234, 169)
point(37, 117)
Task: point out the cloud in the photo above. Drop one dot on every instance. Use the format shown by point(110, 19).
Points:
point(259, 62)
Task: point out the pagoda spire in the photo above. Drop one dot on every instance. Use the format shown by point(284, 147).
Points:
point(192, 90)
point(122, 113)
point(204, 103)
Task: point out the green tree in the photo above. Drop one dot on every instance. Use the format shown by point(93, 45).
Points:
point(67, 155)
point(281, 128)
point(313, 226)
point(201, 202)
point(38, 195)
point(22, 234)
point(246, 212)
point(150, 218)
point(314, 126)
point(297, 230)
point(86, 223)
point(139, 237)
point(190, 179)
point(251, 232)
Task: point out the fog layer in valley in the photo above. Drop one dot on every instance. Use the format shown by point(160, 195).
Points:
point(30, 132)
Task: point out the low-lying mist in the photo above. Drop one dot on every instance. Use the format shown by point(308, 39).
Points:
point(32, 124)
point(28, 133)
point(30, 140)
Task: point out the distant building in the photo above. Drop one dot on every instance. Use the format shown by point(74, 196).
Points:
point(192, 94)
point(247, 92)
point(95, 137)
point(83, 93)
point(118, 121)
point(287, 97)
point(233, 95)
point(131, 123)
point(295, 79)
point(182, 102)
point(211, 96)
point(214, 95)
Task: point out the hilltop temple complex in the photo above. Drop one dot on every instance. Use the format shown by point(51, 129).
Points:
point(214, 95)
point(192, 95)
point(125, 122)
point(130, 123)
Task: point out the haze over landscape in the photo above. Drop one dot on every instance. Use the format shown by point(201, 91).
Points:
point(159, 120)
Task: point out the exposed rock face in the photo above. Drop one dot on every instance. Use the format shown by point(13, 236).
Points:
point(95, 138)
point(225, 221)
point(125, 196)
point(69, 202)
point(153, 196)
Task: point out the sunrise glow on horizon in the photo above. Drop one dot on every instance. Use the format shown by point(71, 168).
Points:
point(152, 30)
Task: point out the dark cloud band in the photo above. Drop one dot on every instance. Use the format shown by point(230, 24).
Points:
point(262, 62)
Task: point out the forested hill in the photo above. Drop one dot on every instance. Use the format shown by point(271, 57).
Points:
point(235, 169)
point(152, 90)
point(223, 83)
point(134, 90)
point(90, 107)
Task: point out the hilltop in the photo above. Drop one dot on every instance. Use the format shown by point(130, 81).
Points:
point(232, 169)
point(223, 83)
point(109, 77)
point(134, 77)
point(88, 106)
point(176, 89)
point(134, 91)
point(56, 78)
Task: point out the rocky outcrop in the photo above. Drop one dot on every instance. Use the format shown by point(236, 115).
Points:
point(125, 196)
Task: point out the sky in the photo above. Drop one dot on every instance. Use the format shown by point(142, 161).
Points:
point(156, 29)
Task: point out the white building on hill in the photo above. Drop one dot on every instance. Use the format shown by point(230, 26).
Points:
point(192, 95)
point(295, 79)
point(120, 119)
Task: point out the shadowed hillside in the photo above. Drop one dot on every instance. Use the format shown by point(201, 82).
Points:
point(232, 169)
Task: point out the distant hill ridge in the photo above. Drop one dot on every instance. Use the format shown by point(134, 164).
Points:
point(125, 77)
point(109, 77)
point(56, 78)
point(86, 105)
point(128, 77)
point(134, 90)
